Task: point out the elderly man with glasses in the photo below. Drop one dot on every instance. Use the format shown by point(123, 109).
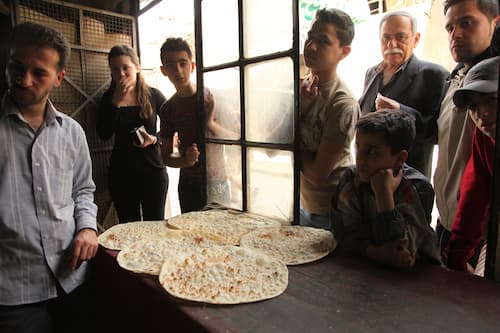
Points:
point(403, 82)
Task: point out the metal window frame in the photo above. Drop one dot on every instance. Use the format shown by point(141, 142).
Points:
point(241, 63)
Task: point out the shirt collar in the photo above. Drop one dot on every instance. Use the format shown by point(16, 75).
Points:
point(459, 68)
point(51, 114)
point(9, 108)
point(327, 86)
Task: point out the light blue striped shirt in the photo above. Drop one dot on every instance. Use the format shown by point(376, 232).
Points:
point(46, 196)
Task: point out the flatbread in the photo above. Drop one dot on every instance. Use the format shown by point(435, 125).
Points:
point(224, 275)
point(230, 225)
point(293, 245)
point(122, 235)
point(147, 255)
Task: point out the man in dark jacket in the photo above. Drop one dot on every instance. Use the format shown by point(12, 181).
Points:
point(403, 82)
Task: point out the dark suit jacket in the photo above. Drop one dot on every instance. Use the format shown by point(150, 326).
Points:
point(419, 88)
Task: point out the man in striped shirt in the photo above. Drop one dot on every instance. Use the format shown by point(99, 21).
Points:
point(47, 213)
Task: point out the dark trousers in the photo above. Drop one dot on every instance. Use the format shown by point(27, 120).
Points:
point(192, 194)
point(142, 187)
point(73, 312)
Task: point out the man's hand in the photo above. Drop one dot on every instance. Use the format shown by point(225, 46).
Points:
point(192, 154)
point(382, 102)
point(308, 92)
point(84, 247)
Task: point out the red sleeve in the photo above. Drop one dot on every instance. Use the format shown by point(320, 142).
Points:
point(473, 206)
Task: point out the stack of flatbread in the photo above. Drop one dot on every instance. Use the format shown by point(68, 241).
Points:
point(293, 245)
point(123, 235)
point(217, 256)
point(224, 275)
point(228, 224)
point(148, 254)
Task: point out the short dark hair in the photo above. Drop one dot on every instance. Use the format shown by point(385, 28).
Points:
point(175, 45)
point(341, 20)
point(487, 7)
point(29, 34)
point(397, 128)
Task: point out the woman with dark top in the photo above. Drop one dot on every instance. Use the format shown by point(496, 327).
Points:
point(129, 110)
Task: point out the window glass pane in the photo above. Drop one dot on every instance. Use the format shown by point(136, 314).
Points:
point(224, 175)
point(225, 87)
point(220, 31)
point(144, 3)
point(170, 18)
point(270, 183)
point(268, 26)
point(269, 101)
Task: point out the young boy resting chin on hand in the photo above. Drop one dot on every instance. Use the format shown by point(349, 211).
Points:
point(382, 208)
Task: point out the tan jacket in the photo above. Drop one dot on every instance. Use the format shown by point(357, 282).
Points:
point(454, 143)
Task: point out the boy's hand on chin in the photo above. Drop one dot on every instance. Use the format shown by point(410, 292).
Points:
point(385, 182)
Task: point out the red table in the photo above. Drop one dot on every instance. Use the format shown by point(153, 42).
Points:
point(338, 294)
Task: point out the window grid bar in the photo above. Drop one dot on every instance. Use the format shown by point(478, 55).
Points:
point(241, 63)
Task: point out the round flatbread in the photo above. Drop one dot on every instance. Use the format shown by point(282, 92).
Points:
point(293, 245)
point(228, 224)
point(122, 235)
point(147, 255)
point(224, 275)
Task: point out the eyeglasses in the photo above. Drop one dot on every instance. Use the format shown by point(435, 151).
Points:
point(400, 37)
